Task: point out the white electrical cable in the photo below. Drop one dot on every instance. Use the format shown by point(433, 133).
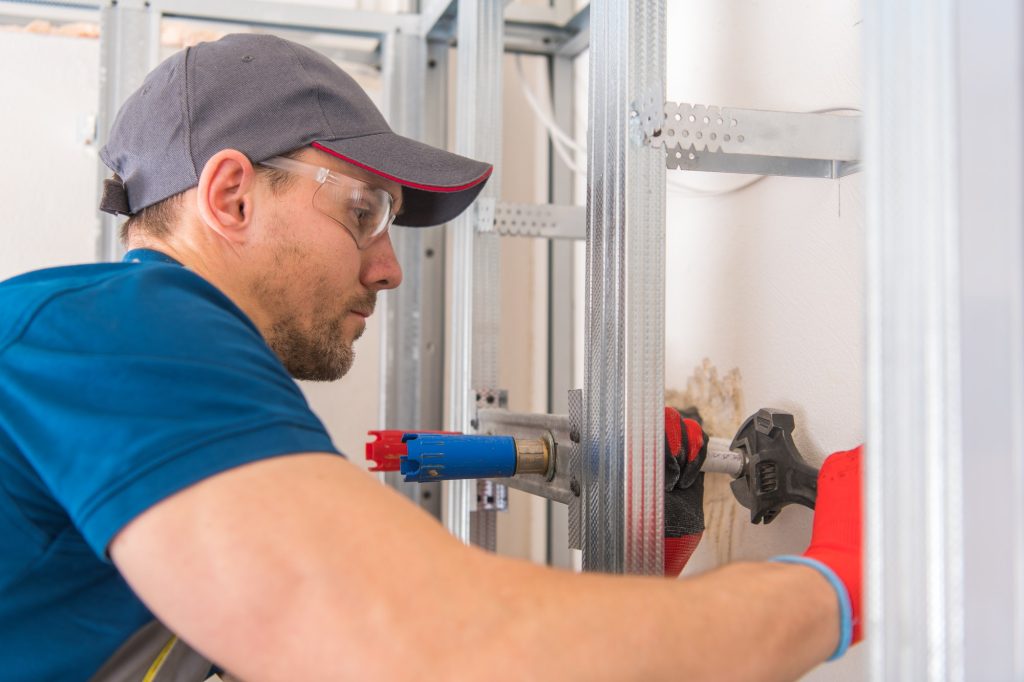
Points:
point(700, 193)
point(564, 144)
point(544, 112)
point(566, 156)
point(559, 139)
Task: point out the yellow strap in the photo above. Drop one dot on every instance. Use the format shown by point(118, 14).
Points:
point(159, 660)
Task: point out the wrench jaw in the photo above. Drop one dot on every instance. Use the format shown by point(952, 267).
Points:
point(774, 473)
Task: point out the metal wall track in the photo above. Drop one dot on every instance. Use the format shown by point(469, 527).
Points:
point(472, 363)
point(412, 342)
point(129, 49)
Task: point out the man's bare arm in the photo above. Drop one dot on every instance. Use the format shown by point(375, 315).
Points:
point(303, 567)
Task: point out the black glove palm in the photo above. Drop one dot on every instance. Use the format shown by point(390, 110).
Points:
point(686, 447)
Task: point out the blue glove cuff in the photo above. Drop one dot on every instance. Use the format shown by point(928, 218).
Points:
point(845, 610)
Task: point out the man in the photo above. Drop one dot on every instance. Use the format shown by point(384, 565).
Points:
point(157, 462)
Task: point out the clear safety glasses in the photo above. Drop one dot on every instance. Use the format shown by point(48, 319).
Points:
point(366, 212)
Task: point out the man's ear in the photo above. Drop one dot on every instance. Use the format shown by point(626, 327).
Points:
point(224, 197)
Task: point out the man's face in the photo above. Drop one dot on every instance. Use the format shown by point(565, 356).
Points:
point(314, 285)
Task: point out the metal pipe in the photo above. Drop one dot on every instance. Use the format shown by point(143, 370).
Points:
point(720, 459)
point(523, 447)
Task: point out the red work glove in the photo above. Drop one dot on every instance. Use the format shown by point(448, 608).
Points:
point(686, 447)
point(836, 539)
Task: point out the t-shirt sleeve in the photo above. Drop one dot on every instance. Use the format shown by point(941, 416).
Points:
point(127, 391)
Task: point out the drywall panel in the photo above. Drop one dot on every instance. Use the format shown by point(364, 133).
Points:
point(48, 180)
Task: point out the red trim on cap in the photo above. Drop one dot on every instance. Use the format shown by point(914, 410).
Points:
point(405, 183)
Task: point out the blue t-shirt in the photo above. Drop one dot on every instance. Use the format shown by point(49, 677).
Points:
point(120, 384)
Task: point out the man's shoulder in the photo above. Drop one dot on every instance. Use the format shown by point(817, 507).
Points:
point(102, 298)
point(128, 279)
point(32, 289)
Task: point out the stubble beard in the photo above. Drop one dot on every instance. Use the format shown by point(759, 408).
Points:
point(316, 351)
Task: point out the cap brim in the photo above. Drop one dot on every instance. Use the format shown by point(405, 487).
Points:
point(437, 185)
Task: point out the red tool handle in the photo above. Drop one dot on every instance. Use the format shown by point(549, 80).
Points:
point(387, 448)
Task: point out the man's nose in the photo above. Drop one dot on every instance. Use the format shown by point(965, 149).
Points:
point(380, 265)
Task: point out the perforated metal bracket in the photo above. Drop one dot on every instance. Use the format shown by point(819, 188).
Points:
point(540, 220)
point(490, 398)
point(729, 140)
point(553, 430)
point(484, 216)
point(490, 495)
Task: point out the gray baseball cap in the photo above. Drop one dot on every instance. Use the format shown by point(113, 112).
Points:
point(265, 96)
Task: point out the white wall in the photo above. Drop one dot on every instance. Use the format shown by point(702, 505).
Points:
point(768, 281)
point(48, 176)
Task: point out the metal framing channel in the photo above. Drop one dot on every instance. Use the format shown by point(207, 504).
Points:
point(561, 286)
point(478, 135)
point(412, 342)
point(22, 12)
point(625, 345)
point(129, 48)
point(945, 340)
point(292, 15)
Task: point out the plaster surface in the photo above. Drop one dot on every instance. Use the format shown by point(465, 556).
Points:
point(767, 281)
point(48, 178)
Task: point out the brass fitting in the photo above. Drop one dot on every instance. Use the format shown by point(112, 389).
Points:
point(533, 456)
